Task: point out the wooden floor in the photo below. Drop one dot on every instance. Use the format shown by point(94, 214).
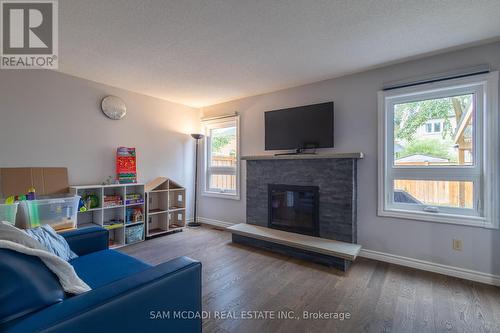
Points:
point(379, 297)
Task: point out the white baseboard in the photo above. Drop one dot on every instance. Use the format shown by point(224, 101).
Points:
point(217, 223)
point(458, 272)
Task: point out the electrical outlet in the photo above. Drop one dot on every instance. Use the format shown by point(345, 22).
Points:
point(457, 245)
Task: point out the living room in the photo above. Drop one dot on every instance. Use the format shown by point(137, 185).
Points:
point(244, 166)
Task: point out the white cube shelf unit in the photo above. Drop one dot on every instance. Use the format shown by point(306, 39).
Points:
point(116, 215)
point(165, 208)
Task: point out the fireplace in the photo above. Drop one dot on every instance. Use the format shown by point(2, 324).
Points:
point(294, 208)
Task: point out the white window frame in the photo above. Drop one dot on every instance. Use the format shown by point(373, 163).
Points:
point(484, 172)
point(208, 125)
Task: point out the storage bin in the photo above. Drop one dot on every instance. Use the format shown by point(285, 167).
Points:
point(8, 212)
point(60, 212)
point(134, 233)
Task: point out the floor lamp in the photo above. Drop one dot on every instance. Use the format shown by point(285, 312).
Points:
point(197, 137)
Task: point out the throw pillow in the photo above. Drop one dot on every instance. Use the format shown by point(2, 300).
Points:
point(54, 242)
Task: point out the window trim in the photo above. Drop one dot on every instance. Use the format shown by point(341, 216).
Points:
point(207, 126)
point(485, 145)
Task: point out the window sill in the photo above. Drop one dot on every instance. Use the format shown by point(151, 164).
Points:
point(221, 195)
point(471, 221)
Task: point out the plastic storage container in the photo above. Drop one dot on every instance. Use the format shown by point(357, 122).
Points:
point(60, 213)
point(8, 212)
point(134, 233)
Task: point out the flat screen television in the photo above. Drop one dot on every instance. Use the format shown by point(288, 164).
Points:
point(300, 128)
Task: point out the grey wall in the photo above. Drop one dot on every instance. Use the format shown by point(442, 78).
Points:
point(355, 99)
point(52, 119)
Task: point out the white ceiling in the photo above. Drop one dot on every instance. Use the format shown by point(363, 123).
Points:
point(200, 53)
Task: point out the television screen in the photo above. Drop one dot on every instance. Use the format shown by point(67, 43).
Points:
point(309, 126)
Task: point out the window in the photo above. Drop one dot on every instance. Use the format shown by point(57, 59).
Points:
point(438, 151)
point(222, 161)
point(432, 127)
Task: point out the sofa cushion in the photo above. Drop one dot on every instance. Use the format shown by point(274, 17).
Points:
point(27, 285)
point(86, 240)
point(103, 267)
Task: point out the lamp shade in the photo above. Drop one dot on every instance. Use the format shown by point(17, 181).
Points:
point(197, 136)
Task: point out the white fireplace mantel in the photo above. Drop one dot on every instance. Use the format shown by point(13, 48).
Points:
point(358, 155)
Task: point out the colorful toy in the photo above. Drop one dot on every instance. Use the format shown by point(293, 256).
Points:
point(81, 206)
point(31, 194)
point(137, 216)
point(10, 200)
point(112, 200)
point(126, 167)
point(91, 201)
point(20, 198)
point(133, 198)
point(134, 215)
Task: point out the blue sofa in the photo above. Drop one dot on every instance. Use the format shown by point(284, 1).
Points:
point(127, 295)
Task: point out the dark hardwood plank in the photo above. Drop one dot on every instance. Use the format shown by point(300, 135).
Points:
point(379, 297)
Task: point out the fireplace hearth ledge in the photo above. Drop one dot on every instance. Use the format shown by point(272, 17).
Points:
point(310, 244)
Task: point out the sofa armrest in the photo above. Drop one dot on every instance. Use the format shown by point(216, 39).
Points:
point(163, 298)
point(87, 240)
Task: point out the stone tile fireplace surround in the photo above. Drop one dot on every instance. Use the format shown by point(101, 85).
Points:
point(334, 174)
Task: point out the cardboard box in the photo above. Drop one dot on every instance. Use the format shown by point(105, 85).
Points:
point(46, 181)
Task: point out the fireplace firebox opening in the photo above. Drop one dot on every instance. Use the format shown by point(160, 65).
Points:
point(294, 208)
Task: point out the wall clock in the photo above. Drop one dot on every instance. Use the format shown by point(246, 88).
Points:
point(113, 107)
